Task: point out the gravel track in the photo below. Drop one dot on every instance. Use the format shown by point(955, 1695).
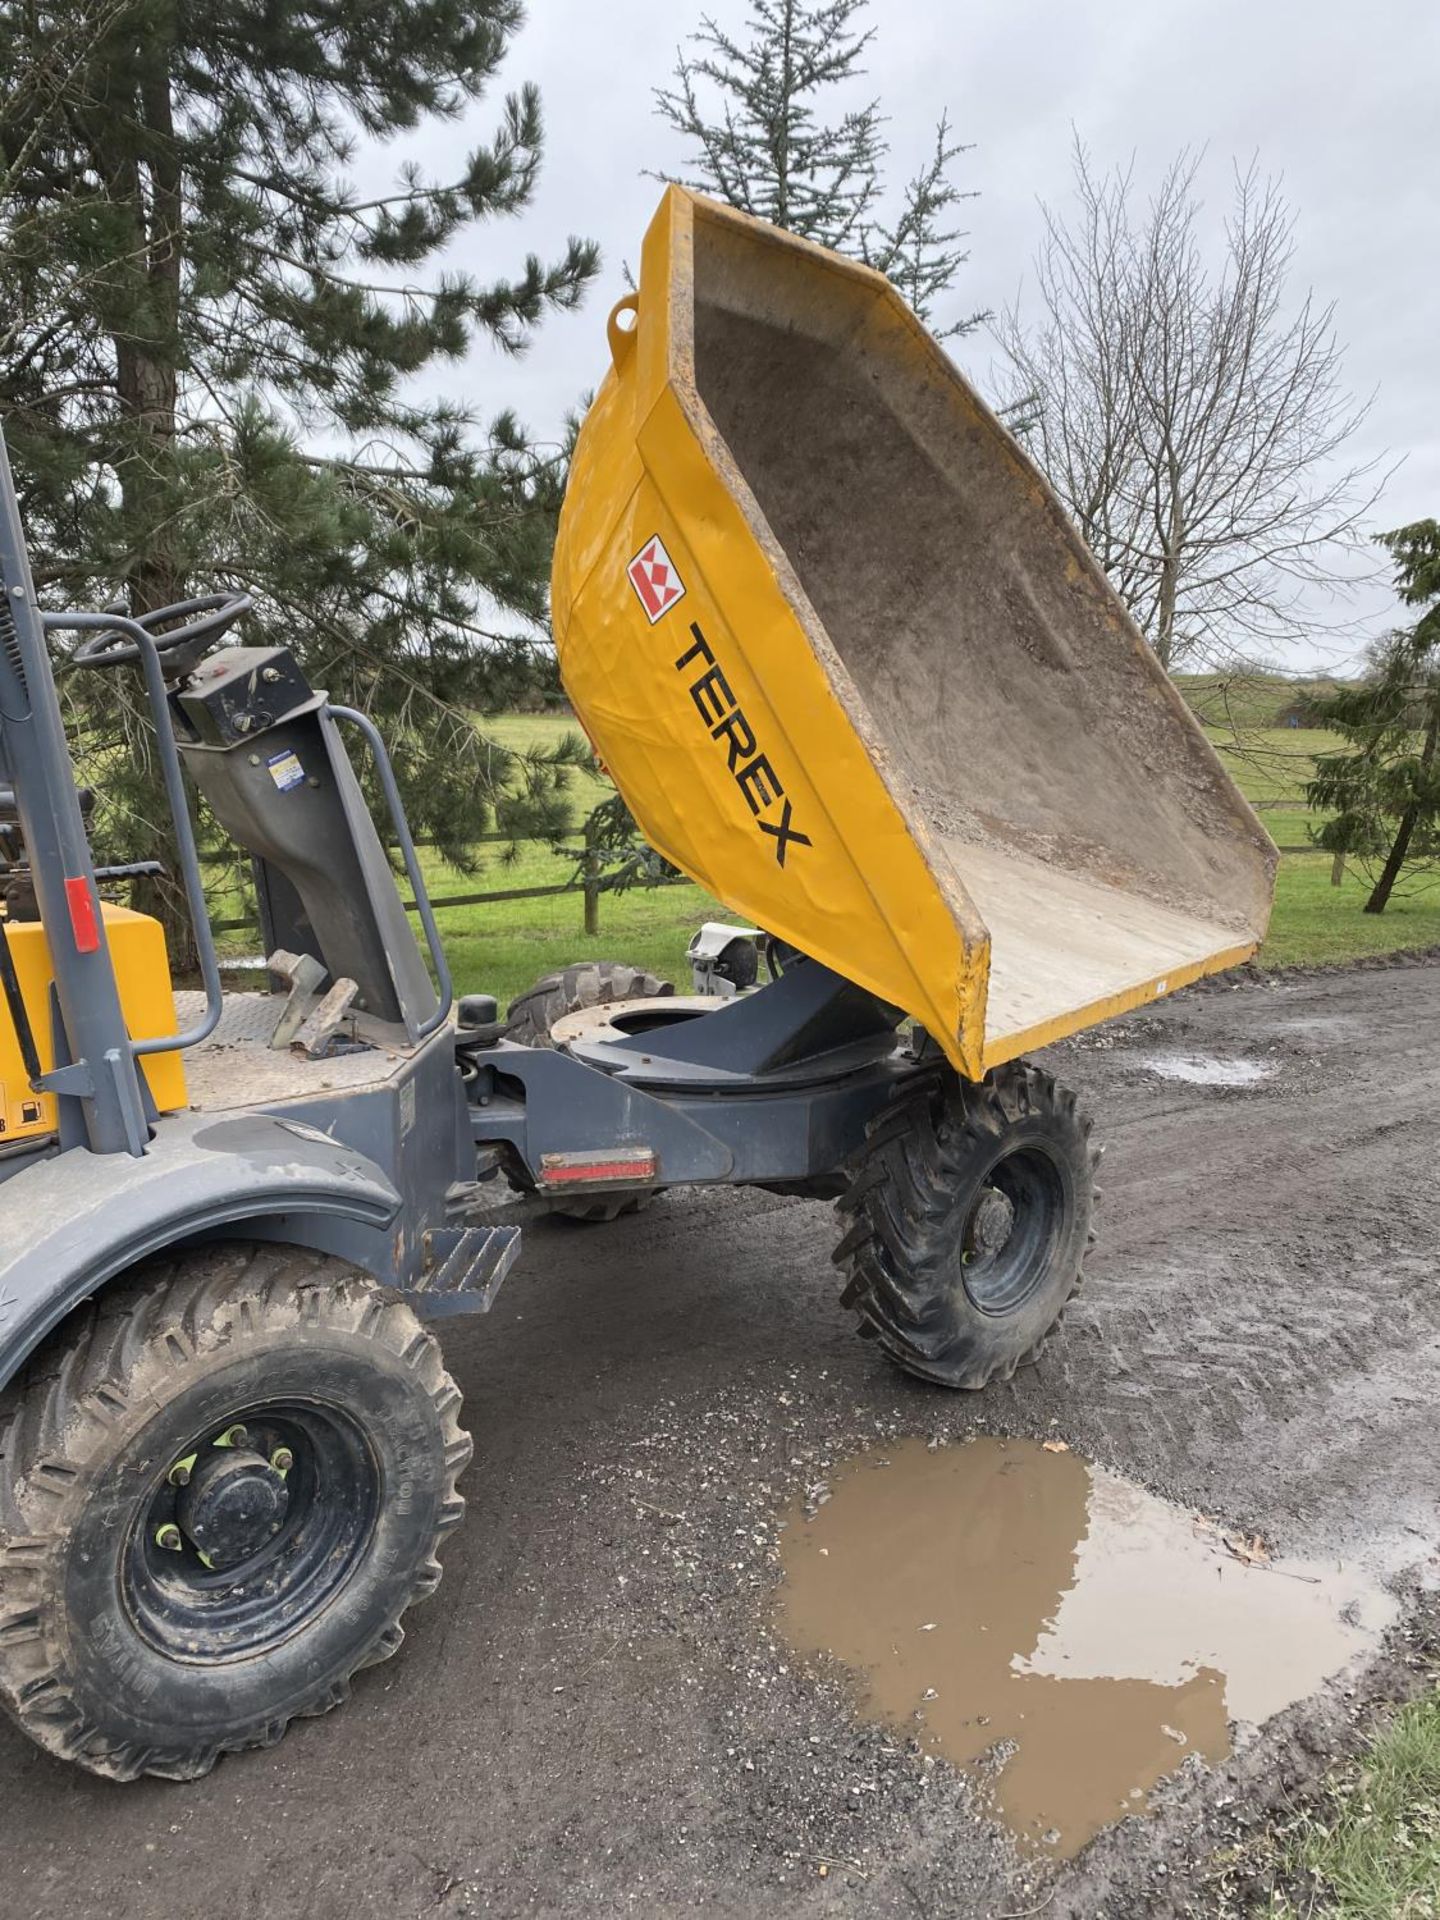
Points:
point(594, 1716)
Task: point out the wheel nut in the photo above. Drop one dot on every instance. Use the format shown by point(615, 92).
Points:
point(282, 1459)
point(169, 1537)
point(234, 1437)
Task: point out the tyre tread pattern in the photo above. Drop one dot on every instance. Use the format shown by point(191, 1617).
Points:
point(574, 989)
point(54, 1423)
point(898, 1214)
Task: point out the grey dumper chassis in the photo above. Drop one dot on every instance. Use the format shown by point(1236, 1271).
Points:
point(774, 1089)
point(228, 1443)
point(381, 1171)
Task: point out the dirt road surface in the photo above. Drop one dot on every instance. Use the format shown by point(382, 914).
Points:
point(593, 1716)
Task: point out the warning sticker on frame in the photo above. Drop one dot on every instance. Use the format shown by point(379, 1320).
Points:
point(286, 770)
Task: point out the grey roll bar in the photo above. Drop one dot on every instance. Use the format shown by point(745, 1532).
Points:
point(95, 1065)
point(174, 780)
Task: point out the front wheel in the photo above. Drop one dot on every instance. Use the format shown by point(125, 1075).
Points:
point(968, 1215)
point(220, 1489)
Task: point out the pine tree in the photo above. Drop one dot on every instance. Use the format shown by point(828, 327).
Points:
point(767, 152)
point(752, 105)
point(1385, 784)
point(214, 351)
point(919, 252)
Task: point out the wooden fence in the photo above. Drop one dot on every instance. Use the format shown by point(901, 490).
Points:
point(589, 882)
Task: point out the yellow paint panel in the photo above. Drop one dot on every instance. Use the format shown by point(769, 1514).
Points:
point(142, 970)
point(822, 726)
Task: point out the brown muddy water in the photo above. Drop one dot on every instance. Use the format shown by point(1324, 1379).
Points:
point(1064, 1632)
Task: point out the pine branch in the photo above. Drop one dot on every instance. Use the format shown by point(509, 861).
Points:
point(751, 105)
point(214, 350)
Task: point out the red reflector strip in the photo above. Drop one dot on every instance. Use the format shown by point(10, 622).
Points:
point(624, 1164)
point(83, 921)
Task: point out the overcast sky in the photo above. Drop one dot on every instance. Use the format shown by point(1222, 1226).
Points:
point(1341, 100)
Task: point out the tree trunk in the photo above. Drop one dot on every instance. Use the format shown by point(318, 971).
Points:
point(1409, 820)
point(147, 355)
point(146, 359)
point(1170, 578)
point(591, 882)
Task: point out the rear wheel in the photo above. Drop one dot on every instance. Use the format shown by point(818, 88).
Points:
point(967, 1219)
point(220, 1489)
point(589, 983)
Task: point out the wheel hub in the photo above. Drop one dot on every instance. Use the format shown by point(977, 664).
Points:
point(234, 1502)
point(991, 1224)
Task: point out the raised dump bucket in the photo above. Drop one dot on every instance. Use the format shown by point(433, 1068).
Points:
point(855, 672)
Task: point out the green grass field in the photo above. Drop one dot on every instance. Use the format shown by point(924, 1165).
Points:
point(1364, 1846)
point(1315, 923)
point(501, 947)
point(1247, 700)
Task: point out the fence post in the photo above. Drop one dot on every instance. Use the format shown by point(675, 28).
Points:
point(590, 867)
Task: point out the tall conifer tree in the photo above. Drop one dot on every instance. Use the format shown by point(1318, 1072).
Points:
point(217, 355)
point(758, 106)
point(1384, 784)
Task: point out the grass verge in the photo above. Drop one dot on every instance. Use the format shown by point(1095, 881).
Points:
point(1316, 925)
point(1366, 1847)
point(1375, 1849)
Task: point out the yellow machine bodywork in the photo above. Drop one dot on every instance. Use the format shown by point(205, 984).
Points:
point(142, 970)
point(855, 673)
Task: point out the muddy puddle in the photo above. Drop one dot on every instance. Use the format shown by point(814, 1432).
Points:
point(1205, 1070)
point(1065, 1633)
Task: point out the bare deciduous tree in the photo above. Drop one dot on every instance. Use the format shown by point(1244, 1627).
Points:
point(1194, 423)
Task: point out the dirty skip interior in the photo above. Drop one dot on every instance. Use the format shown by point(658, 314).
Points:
point(1062, 1632)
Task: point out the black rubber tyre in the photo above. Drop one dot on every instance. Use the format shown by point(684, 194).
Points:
point(528, 1020)
point(967, 1216)
point(589, 983)
point(130, 1659)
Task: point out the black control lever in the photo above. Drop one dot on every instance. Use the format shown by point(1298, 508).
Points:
point(134, 870)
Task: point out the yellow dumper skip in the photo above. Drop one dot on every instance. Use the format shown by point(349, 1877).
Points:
point(855, 672)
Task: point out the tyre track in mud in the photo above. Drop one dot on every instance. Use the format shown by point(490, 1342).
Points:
point(1265, 1251)
point(593, 1716)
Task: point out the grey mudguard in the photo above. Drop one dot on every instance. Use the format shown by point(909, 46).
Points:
point(74, 1221)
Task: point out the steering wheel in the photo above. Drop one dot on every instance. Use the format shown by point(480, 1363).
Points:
point(203, 620)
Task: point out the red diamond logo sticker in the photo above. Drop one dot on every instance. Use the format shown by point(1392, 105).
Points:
point(653, 575)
